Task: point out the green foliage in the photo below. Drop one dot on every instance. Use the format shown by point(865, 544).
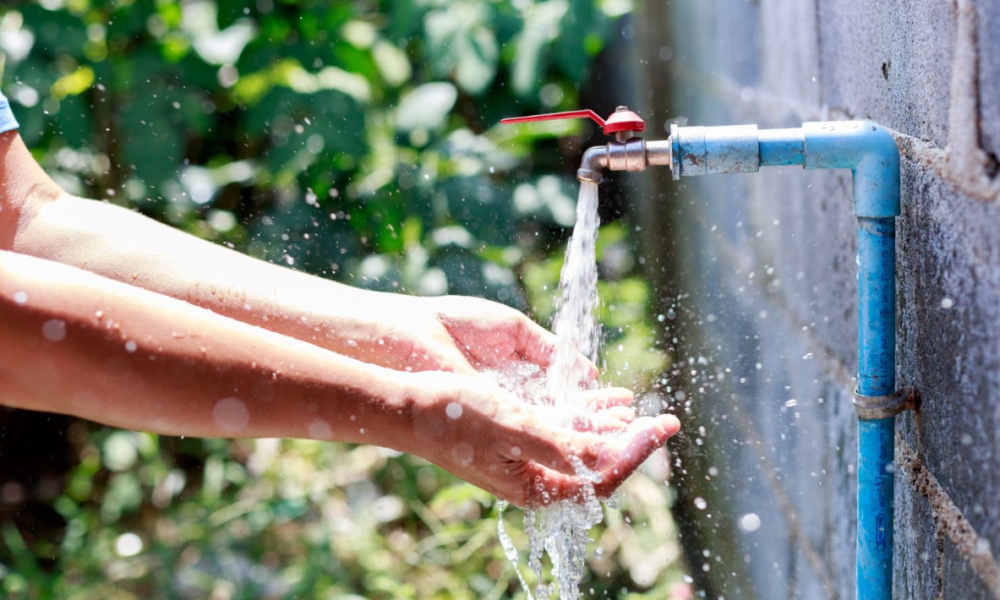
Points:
point(357, 141)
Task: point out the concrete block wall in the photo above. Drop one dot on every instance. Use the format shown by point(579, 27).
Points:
point(757, 284)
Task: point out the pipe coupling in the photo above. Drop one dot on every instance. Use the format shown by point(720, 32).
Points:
point(873, 408)
point(709, 150)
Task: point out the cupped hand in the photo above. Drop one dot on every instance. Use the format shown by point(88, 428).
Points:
point(520, 452)
point(449, 333)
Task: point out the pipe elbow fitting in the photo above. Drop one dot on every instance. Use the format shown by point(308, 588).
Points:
point(866, 148)
point(594, 160)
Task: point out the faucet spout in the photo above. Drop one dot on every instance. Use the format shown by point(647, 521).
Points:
point(594, 159)
point(634, 154)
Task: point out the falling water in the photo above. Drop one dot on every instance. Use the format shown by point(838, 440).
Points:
point(560, 529)
point(576, 330)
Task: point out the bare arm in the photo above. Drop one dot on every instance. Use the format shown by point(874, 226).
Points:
point(73, 342)
point(76, 343)
point(401, 332)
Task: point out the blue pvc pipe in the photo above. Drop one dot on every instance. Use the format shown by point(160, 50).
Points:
point(781, 147)
point(876, 377)
point(870, 152)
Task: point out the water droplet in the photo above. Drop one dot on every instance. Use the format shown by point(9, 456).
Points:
point(750, 522)
point(54, 330)
point(20, 298)
point(966, 439)
point(230, 414)
point(947, 303)
point(131, 346)
point(791, 402)
point(700, 503)
point(453, 410)
point(320, 430)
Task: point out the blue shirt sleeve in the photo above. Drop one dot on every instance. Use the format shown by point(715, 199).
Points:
point(7, 120)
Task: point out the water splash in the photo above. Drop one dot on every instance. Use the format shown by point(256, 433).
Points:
point(561, 529)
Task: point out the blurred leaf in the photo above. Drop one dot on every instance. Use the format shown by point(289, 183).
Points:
point(541, 25)
point(392, 62)
point(427, 106)
point(460, 43)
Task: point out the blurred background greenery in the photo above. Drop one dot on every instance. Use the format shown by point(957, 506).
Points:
point(357, 141)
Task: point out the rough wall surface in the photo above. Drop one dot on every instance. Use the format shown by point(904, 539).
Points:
point(757, 277)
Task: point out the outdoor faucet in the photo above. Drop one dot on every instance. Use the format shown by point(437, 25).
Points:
point(870, 152)
point(628, 151)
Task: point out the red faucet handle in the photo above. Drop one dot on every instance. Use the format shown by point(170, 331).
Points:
point(622, 120)
point(573, 114)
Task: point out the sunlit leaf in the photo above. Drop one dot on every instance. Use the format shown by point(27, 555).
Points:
point(461, 43)
point(541, 26)
point(427, 106)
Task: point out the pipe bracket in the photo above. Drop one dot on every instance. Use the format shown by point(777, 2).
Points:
point(873, 408)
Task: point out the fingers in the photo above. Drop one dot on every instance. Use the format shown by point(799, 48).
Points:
point(601, 399)
point(615, 461)
point(645, 435)
point(537, 345)
point(606, 421)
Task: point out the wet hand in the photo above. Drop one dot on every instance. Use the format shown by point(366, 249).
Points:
point(454, 333)
point(527, 454)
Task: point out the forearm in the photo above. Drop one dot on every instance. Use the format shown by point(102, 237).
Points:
point(128, 247)
point(75, 343)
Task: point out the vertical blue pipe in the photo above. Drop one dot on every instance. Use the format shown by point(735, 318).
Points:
point(876, 377)
point(870, 152)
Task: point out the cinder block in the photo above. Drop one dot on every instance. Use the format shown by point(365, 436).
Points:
point(890, 62)
point(790, 331)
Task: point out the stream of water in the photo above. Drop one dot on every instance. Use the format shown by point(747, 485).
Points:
point(561, 529)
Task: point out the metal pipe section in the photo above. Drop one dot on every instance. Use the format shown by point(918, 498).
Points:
point(876, 377)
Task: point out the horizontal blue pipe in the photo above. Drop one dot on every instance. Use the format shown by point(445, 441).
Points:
point(781, 147)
